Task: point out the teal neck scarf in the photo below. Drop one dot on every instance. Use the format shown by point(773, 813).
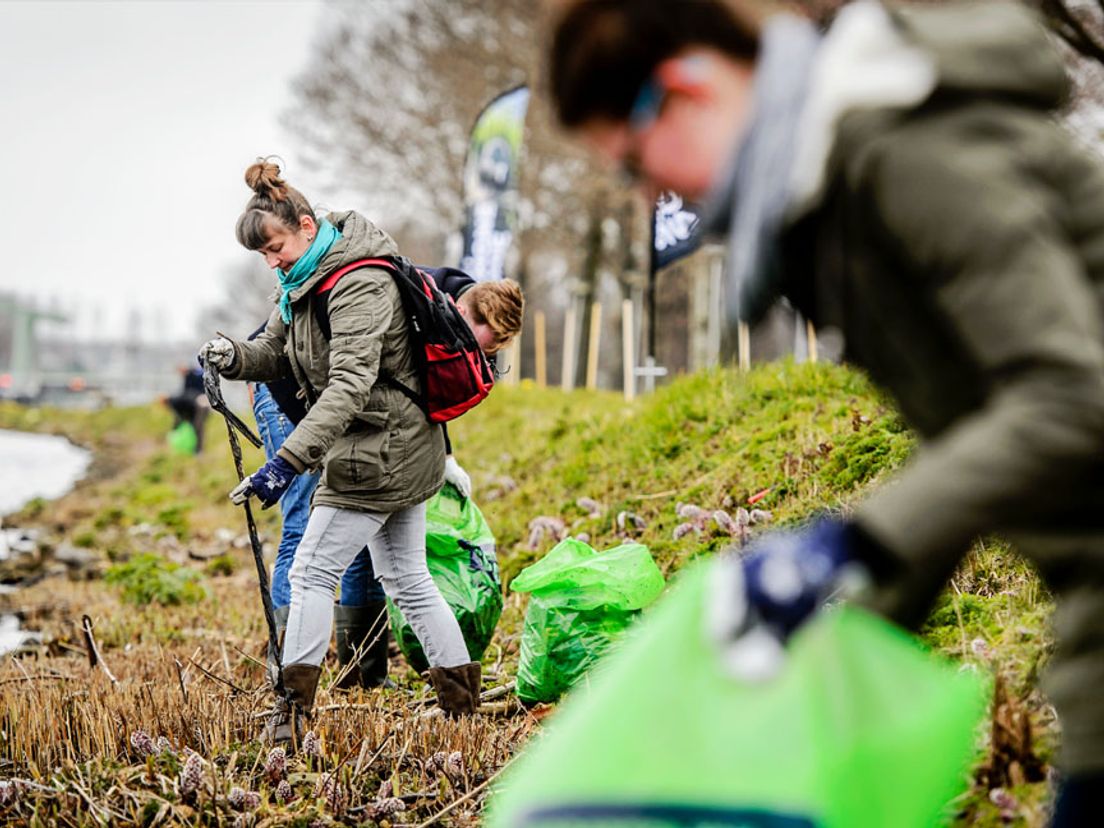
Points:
point(304, 268)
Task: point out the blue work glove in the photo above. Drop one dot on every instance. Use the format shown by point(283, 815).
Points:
point(760, 597)
point(267, 484)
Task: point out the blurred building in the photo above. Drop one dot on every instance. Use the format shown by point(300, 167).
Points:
point(42, 360)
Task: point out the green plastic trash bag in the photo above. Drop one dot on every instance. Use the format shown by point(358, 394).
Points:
point(182, 439)
point(861, 728)
point(581, 600)
point(460, 552)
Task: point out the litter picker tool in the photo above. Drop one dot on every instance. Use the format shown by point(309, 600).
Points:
point(234, 424)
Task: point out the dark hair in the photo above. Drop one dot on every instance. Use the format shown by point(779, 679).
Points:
point(604, 50)
point(273, 197)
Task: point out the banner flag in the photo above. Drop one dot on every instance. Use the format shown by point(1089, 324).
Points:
point(676, 229)
point(491, 184)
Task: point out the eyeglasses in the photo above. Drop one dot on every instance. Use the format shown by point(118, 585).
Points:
point(642, 115)
point(647, 105)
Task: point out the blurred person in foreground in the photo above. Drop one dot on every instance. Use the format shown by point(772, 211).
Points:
point(902, 179)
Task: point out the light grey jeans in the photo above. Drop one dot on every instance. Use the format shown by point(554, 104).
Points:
point(332, 539)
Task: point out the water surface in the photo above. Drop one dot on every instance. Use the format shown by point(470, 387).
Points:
point(37, 465)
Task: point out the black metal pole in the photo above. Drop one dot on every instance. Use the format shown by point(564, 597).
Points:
point(213, 390)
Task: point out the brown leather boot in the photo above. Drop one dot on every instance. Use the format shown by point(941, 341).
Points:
point(288, 721)
point(457, 688)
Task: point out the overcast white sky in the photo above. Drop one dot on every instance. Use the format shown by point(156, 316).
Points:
point(126, 127)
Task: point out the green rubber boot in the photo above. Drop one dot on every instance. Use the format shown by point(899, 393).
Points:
point(363, 635)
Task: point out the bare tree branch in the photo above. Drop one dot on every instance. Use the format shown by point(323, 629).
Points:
point(1081, 29)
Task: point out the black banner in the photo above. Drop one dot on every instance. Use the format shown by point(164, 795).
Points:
point(676, 229)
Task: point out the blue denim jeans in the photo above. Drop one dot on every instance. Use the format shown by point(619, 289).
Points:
point(359, 585)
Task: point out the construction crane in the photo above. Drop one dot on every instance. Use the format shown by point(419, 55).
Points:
point(21, 377)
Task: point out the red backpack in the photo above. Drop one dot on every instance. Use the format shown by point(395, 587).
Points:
point(453, 369)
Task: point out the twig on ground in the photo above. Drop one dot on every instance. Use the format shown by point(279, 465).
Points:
point(409, 799)
point(28, 783)
point(22, 669)
point(422, 700)
point(508, 707)
point(469, 795)
point(105, 812)
point(211, 675)
point(375, 755)
point(329, 708)
point(94, 656)
point(180, 678)
point(225, 658)
point(402, 753)
point(653, 495)
point(39, 677)
point(246, 655)
point(360, 758)
point(496, 692)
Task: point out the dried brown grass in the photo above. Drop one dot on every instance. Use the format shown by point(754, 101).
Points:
point(68, 732)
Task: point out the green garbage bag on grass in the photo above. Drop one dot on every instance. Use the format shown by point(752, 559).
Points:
point(460, 551)
point(581, 600)
point(861, 728)
point(182, 439)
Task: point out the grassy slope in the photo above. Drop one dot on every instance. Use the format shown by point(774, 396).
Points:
point(816, 436)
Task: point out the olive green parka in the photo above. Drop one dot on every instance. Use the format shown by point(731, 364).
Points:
point(958, 246)
point(376, 449)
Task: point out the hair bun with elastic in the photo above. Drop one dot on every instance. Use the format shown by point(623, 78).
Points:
point(263, 178)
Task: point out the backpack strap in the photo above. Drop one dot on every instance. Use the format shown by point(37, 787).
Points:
point(321, 301)
point(321, 305)
point(331, 280)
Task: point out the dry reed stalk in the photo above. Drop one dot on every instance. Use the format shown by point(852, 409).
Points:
point(436, 817)
point(39, 677)
point(219, 679)
point(94, 656)
point(50, 729)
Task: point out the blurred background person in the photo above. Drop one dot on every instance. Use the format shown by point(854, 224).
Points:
point(190, 404)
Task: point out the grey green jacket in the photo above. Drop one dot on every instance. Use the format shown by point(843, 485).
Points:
point(958, 245)
point(377, 450)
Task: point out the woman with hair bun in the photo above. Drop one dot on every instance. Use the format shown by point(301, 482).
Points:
point(380, 458)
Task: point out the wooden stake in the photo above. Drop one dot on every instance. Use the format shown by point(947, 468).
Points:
point(628, 349)
point(593, 343)
point(539, 346)
point(743, 344)
point(567, 375)
point(698, 322)
point(810, 339)
point(513, 375)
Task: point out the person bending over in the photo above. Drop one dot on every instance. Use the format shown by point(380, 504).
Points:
point(380, 458)
point(900, 178)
